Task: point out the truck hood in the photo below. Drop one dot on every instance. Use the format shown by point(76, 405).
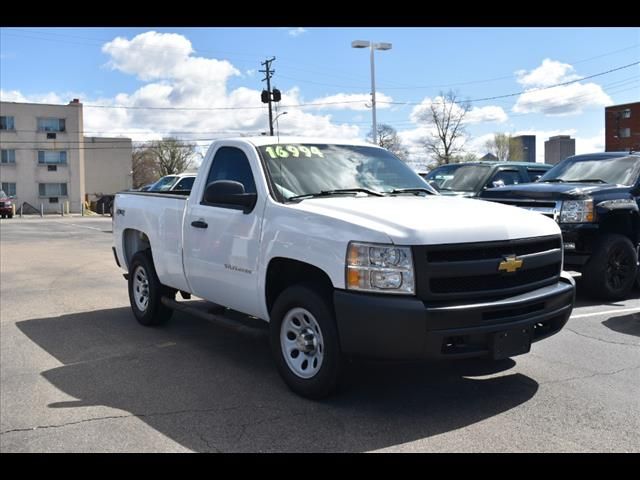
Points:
point(552, 191)
point(432, 220)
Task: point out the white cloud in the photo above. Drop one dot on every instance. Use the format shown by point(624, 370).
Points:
point(490, 113)
point(562, 100)
point(295, 32)
point(549, 73)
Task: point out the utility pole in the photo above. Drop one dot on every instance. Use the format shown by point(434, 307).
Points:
point(266, 94)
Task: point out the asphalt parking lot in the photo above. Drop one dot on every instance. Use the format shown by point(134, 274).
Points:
point(77, 373)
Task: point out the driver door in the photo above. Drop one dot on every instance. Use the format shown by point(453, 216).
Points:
point(221, 243)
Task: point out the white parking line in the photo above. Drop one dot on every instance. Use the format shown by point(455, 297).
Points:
point(81, 226)
point(607, 312)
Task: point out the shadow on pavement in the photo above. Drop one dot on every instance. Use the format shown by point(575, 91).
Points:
point(583, 300)
point(210, 389)
point(628, 324)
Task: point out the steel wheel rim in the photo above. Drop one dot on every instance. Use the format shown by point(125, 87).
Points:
point(302, 343)
point(140, 288)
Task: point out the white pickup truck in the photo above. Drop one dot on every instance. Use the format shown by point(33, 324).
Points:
point(344, 251)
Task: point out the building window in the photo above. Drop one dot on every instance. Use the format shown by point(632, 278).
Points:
point(52, 189)
point(7, 123)
point(624, 132)
point(9, 188)
point(626, 113)
point(46, 157)
point(51, 125)
point(8, 156)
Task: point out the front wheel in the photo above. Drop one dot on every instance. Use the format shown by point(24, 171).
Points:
point(146, 291)
point(612, 269)
point(304, 340)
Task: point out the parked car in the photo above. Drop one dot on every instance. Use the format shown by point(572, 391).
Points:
point(343, 250)
point(6, 205)
point(170, 183)
point(470, 178)
point(596, 200)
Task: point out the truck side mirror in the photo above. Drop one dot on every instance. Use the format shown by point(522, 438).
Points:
point(229, 193)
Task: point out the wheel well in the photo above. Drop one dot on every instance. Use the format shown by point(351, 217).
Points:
point(134, 241)
point(623, 224)
point(284, 272)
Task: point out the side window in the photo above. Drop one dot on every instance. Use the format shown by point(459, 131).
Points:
point(503, 178)
point(184, 184)
point(231, 163)
point(534, 175)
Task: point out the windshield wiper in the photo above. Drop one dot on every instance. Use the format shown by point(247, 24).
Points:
point(553, 180)
point(339, 191)
point(587, 180)
point(410, 190)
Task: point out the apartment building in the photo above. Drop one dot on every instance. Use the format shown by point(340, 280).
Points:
point(622, 127)
point(46, 161)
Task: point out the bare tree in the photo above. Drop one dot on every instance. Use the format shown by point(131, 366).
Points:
point(388, 138)
point(172, 155)
point(145, 168)
point(445, 114)
point(504, 147)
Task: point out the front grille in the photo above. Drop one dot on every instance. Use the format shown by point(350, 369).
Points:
point(494, 281)
point(470, 271)
point(465, 252)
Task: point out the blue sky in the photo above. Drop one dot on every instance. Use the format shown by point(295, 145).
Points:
point(216, 68)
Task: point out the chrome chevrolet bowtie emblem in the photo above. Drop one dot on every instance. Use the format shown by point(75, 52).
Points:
point(510, 264)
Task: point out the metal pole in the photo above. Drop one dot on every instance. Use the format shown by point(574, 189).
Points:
point(21, 207)
point(41, 210)
point(373, 95)
point(82, 209)
point(62, 209)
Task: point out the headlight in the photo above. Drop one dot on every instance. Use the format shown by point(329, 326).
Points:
point(379, 268)
point(577, 211)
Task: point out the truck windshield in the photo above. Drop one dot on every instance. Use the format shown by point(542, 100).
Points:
point(616, 170)
point(312, 169)
point(459, 177)
point(164, 184)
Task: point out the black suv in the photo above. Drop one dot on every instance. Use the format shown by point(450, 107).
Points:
point(469, 179)
point(595, 198)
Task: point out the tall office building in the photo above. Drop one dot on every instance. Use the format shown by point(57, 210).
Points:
point(525, 148)
point(558, 148)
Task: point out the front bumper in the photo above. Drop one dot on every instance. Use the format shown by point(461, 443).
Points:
point(406, 328)
point(6, 210)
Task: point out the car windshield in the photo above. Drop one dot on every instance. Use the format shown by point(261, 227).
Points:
point(459, 177)
point(616, 170)
point(164, 184)
point(312, 169)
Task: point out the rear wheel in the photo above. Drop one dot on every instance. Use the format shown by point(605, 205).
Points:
point(146, 291)
point(612, 269)
point(304, 340)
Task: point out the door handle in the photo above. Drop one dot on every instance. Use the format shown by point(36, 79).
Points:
point(199, 224)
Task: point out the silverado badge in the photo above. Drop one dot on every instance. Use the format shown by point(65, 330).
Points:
point(510, 264)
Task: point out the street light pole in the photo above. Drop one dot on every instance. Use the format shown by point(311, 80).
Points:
point(372, 46)
point(373, 96)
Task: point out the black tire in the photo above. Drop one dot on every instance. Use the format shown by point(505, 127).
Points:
point(315, 301)
point(3, 216)
point(154, 313)
point(10, 215)
point(612, 269)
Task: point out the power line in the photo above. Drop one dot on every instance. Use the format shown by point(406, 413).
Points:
point(515, 94)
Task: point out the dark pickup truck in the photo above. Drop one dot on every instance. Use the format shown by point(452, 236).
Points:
point(595, 198)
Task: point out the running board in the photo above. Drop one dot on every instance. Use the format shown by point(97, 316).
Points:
point(239, 325)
